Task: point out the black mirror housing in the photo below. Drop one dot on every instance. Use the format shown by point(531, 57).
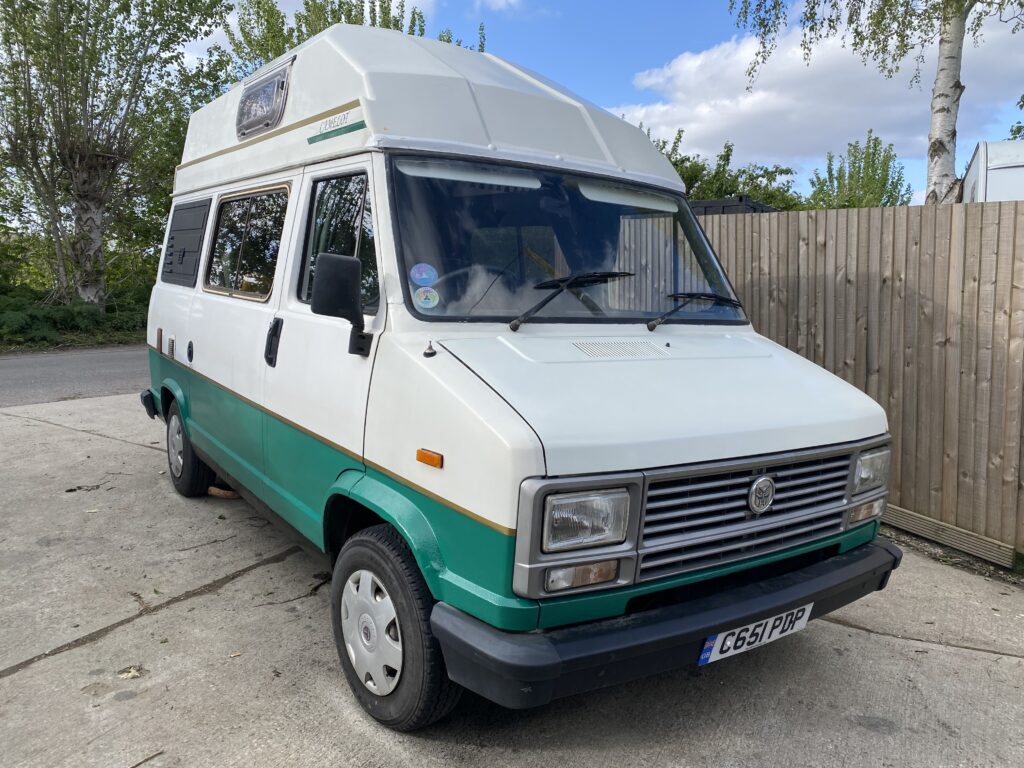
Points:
point(337, 293)
point(336, 288)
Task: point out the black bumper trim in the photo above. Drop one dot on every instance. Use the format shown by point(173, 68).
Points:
point(148, 402)
point(520, 670)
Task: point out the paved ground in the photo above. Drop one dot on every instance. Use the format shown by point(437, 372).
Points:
point(103, 567)
point(42, 377)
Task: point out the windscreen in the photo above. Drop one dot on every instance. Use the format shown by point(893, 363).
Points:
point(487, 242)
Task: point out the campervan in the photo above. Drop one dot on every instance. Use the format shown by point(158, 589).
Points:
point(995, 173)
point(458, 328)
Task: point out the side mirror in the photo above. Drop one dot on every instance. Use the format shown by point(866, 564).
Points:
point(337, 293)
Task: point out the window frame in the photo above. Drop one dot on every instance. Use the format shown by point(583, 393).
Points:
point(208, 264)
point(308, 232)
point(249, 128)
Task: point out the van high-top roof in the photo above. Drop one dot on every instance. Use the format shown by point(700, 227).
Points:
point(353, 88)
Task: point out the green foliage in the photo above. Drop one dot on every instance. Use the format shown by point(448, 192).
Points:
point(263, 34)
point(139, 208)
point(28, 320)
point(80, 86)
point(888, 33)
point(264, 31)
point(867, 177)
point(771, 185)
point(1017, 130)
point(95, 100)
point(885, 32)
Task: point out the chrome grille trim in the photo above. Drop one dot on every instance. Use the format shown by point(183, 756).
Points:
point(697, 517)
point(684, 558)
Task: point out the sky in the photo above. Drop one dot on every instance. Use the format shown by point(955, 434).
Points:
point(682, 64)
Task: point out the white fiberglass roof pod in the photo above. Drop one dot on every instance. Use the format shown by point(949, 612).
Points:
point(351, 88)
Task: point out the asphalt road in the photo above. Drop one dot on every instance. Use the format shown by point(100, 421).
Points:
point(43, 377)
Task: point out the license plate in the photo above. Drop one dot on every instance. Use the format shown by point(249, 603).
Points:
point(736, 641)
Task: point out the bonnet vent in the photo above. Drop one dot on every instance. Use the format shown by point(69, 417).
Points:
point(621, 350)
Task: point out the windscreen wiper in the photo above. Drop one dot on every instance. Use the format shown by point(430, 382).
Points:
point(686, 298)
point(560, 284)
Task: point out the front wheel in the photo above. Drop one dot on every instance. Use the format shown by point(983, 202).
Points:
point(380, 612)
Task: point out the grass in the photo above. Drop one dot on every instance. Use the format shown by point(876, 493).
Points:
point(28, 323)
point(78, 340)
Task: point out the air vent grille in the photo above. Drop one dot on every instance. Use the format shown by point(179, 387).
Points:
point(621, 350)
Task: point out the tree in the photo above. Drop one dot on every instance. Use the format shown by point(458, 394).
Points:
point(142, 195)
point(867, 177)
point(78, 82)
point(771, 185)
point(887, 32)
point(1017, 130)
point(264, 32)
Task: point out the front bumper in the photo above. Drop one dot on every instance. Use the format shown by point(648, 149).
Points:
point(520, 670)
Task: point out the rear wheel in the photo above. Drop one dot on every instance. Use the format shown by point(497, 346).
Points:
point(191, 477)
point(380, 611)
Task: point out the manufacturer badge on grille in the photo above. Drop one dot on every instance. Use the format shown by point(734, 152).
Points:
point(761, 495)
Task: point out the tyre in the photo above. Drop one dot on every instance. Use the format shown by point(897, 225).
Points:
point(380, 612)
point(191, 477)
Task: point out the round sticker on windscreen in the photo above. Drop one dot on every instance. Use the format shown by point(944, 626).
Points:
point(426, 298)
point(423, 274)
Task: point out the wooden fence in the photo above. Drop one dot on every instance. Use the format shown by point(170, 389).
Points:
point(922, 307)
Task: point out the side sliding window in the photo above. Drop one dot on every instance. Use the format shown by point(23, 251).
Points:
point(185, 243)
point(341, 221)
point(246, 243)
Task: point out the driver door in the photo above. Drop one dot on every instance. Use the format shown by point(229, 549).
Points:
point(315, 390)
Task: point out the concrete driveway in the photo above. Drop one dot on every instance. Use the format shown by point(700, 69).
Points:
point(139, 628)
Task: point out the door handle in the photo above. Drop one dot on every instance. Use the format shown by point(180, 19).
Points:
point(273, 340)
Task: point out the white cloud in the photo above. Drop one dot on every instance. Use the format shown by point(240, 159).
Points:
point(796, 113)
point(427, 6)
point(497, 5)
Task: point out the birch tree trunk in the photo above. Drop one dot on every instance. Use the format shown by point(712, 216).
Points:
point(946, 93)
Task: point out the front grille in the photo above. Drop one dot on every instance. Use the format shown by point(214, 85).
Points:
point(701, 519)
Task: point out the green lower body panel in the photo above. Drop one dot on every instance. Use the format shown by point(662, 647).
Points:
point(299, 470)
point(229, 430)
point(472, 565)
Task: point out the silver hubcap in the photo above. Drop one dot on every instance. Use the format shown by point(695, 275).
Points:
point(175, 445)
point(373, 638)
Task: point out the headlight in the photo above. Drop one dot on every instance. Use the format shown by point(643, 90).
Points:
point(588, 519)
point(872, 471)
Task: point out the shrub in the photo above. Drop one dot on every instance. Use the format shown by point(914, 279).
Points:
point(75, 316)
point(26, 327)
point(25, 320)
point(126, 320)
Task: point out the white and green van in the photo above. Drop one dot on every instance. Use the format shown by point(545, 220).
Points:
point(460, 330)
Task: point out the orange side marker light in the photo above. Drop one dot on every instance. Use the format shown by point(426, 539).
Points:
point(430, 458)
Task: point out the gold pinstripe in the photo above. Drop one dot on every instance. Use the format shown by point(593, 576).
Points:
point(274, 133)
point(351, 454)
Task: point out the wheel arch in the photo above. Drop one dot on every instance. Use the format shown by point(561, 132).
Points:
point(171, 390)
point(358, 501)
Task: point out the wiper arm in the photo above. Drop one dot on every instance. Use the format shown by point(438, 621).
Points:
point(685, 299)
point(560, 284)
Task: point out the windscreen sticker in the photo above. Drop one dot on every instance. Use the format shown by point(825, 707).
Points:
point(423, 274)
point(426, 298)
